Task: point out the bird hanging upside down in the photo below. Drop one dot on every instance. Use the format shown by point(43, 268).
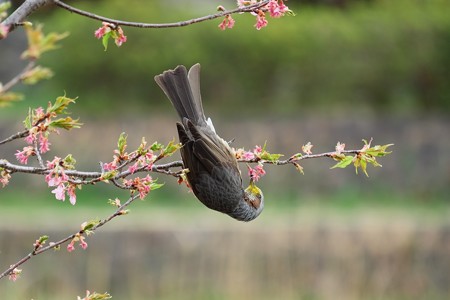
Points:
point(214, 175)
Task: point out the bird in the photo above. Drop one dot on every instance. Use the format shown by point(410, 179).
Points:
point(213, 173)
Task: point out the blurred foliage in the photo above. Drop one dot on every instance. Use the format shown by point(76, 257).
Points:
point(372, 55)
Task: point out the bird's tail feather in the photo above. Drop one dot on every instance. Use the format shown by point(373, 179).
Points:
point(183, 90)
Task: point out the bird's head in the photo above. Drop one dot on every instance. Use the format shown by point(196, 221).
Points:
point(254, 197)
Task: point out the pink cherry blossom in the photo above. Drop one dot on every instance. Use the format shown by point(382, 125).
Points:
point(261, 21)
point(248, 155)
point(44, 144)
point(277, 8)
point(60, 192)
point(99, 33)
point(257, 150)
point(83, 243)
point(307, 148)
point(70, 246)
point(110, 166)
point(29, 139)
point(14, 274)
point(132, 169)
point(4, 30)
point(121, 38)
point(339, 148)
point(256, 173)
point(71, 193)
point(52, 164)
point(4, 177)
point(228, 22)
point(22, 156)
point(39, 112)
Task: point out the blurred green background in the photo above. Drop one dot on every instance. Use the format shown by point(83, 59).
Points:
point(337, 71)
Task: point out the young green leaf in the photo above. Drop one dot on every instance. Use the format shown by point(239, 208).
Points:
point(156, 146)
point(105, 40)
point(344, 162)
point(122, 143)
point(60, 105)
point(65, 123)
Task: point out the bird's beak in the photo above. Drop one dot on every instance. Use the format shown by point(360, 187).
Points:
point(252, 188)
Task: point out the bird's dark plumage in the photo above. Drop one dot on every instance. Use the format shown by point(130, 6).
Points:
point(213, 170)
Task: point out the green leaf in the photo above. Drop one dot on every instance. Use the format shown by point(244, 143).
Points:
point(295, 156)
point(110, 174)
point(27, 121)
point(36, 74)
point(298, 167)
point(141, 149)
point(156, 146)
point(69, 162)
point(363, 165)
point(155, 186)
point(105, 40)
point(122, 143)
point(38, 42)
point(344, 162)
point(270, 157)
point(43, 239)
point(8, 97)
point(4, 6)
point(87, 226)
point(379, 150)
point(171, 148)
point(60, 105)
point(65, 123)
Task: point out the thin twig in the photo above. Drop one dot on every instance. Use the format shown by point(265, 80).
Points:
point(25, 9)
point(13, 137)
point(294, 159)
point(18, 77)
point(249, 8)
point(83, 174)
point(38, 154)
point(55, 245)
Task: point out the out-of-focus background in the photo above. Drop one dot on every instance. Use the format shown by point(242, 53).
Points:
point(340, 70)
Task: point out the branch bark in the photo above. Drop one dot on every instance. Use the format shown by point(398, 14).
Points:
point(55, 245)
point(24, 10)
point(30, 6)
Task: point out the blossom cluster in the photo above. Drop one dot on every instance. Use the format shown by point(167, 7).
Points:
point(108, 30)
point(4, 177)
point(40, 123)
point(95, 296)
point(4, 29)
point(37, 134)
point(258, 171)
point(78, 238)
point(142, 185)
point(248, 155)
point(57, 178)
point(14, 274)
point(140, 161)
point(275, 8)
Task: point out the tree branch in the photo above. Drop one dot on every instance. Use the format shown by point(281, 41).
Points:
point(55, 245)
point(13, 137)
point(30, 6)
point(24, 10)
point(249, 8)
point(17, 78)
point(162, 168)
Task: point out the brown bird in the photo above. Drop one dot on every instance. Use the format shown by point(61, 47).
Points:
point(213, 175)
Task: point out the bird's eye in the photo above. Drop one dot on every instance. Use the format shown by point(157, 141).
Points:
point(258, 196)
